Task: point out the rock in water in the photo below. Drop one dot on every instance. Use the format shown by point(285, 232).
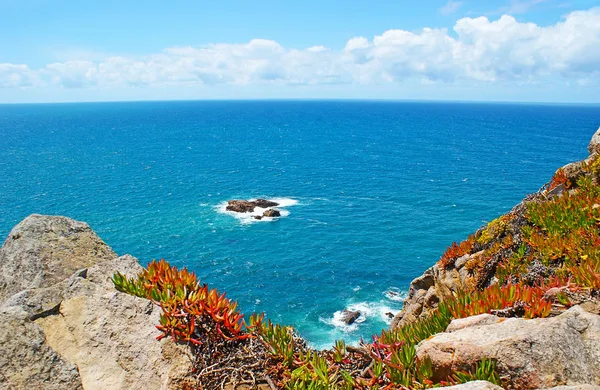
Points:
point(248, 206)
point(272, 213)
point(349, 316)
point(240, 206)
point(263, 203)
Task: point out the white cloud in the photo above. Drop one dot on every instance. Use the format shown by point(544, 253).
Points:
point(478, 50)
point(12, 76)
point(450, 7)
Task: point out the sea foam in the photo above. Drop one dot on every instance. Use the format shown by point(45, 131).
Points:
point(369, 312)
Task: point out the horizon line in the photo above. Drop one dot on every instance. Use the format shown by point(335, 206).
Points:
point(327, 99)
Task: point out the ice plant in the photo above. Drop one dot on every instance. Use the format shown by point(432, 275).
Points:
point(185, 304)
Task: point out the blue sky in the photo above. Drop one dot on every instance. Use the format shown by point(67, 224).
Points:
point(507, 50)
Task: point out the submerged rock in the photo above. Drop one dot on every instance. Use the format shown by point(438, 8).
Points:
point(248, 206)
point(349, 316)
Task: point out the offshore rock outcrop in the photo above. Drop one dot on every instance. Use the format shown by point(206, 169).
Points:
point(77, 331)
point(248, 206)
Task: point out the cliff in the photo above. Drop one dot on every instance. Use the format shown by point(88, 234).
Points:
point(516, 303)
point(509, 249)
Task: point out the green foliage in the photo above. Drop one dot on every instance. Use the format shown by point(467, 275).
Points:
point(485, 370)
point(278, 339)
point(492, 231)
point(313, 373)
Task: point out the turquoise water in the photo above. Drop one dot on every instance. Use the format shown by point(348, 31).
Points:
point(380, 189)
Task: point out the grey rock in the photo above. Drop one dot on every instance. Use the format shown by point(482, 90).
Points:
point(478, 320)
point(594, 146)
point(475, 385)
point(426, 291)
point(44, 250)
point(26, 359)
point(79, 331)
point(538, 353)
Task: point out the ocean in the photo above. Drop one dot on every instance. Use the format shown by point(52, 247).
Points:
point(373, 192)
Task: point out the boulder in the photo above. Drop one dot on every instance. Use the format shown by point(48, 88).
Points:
point(80, 331)
point(531, 354)
point(26, 359)
point(349, 316)
point(272, 213)
point(44, 250)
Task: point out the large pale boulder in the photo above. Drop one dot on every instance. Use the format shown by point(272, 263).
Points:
point(81, 329)
point(44, 250)
point(111, 337)
point(539, 353)
point(26, 359)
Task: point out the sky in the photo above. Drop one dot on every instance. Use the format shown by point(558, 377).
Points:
point(465, 50)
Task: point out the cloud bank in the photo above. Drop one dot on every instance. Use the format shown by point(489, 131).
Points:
point(478, 49)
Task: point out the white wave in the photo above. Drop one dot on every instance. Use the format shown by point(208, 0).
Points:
point(247, 218)
point(395, 294)
point(369, 311)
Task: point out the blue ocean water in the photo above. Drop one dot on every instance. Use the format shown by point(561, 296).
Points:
point(381, 188)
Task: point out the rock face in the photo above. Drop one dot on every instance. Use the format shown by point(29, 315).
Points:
point(427, 290)
point(594, 146)
point(248, 206)
point(41, 251)
point(272, 213)
point(531, 354)
point(79, 331)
